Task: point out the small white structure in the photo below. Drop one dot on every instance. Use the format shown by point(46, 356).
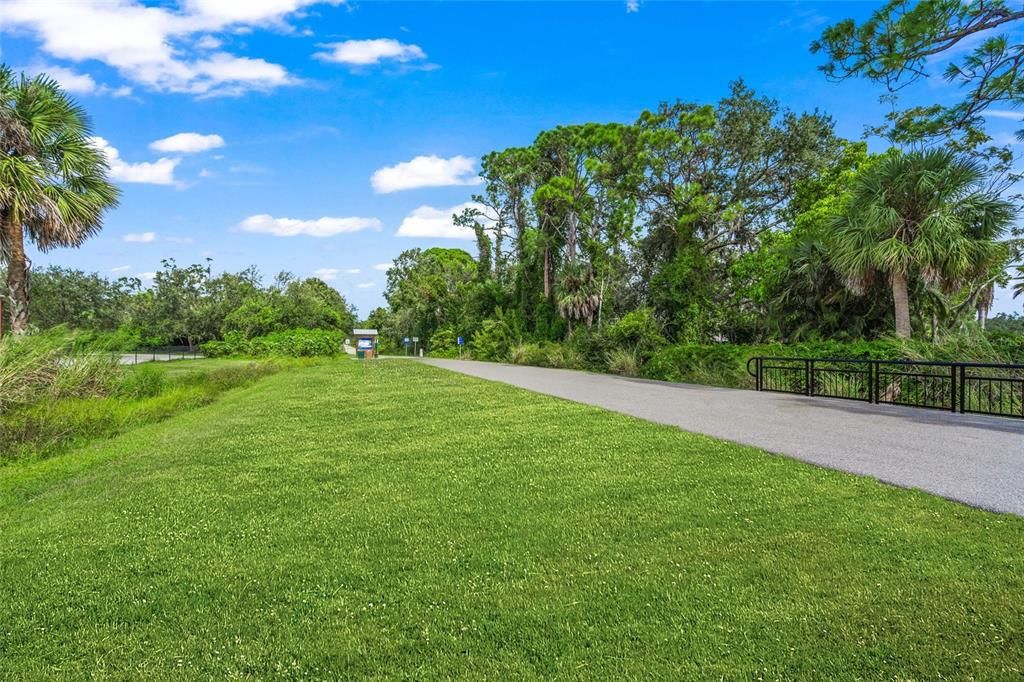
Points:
point(366, 343)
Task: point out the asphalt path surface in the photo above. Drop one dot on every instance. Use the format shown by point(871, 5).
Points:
point(977, 460)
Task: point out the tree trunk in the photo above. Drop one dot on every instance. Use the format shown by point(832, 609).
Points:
point(570, 240)
point(984, 304)
point(901, 304)
point(547, 272)
point(17, 274)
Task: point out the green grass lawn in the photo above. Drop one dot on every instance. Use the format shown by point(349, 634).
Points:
point(175, 368)
point(389, 519)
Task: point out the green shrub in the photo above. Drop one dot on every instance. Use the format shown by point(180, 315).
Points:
point(493, 341)
point(623, 361)
point(590, 348)
point(444, 343)
point(638, 329)
point(1008, 345)
point(221, 349)
point(142, 381)
point(294, 343)
point(562, 356)
point(723, 364)
point(528, 354)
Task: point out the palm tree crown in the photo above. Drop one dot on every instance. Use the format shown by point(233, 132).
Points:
point(53, 184)
point(922, 214)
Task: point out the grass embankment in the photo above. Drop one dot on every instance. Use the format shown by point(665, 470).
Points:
point(114, 400)
point(392, 520)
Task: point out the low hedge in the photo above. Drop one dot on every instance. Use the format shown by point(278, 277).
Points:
point(293, 343)
point(726, 364)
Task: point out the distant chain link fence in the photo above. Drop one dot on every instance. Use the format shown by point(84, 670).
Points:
point(159, 354)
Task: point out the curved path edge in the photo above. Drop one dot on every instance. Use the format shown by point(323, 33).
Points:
point(972, 459)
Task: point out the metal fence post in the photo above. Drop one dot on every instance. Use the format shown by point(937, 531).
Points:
point(874, 382)
point(963, 388)
point(808, 369)
point(952, 388)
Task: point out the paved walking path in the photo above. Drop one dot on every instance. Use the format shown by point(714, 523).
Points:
point(973, 459)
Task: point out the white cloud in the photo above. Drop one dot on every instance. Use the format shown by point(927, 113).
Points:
point(225, 74)
point(220, 13)
point(369, 52)
point(71, 81)
point(78, 83)
point(140, 237)
point(326, 274)
point(632, 6)
point(366, 285)
point(159, 172)
point(436, 223)
point(181, 240)
point(383, 267)
point(121, 268)
point(154, 45)
point(208, 43)
point(187, 143)
point(147, 275)
point(426, 171)
point(321, 227)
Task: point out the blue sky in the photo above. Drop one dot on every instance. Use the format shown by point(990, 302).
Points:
point(240, 129)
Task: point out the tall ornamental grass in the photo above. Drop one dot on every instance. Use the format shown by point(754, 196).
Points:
point(42, 367)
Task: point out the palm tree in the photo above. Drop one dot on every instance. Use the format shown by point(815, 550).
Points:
point(920, 214)
point(578, 298)
point(53, 185)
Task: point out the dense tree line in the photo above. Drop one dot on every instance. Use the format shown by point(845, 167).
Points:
point(184, 305)
point(739, 222)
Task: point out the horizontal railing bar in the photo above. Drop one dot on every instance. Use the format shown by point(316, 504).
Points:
point(844, 371)
point(929, 363)
point(923, 384)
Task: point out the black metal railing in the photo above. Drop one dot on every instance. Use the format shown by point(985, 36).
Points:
point(970, 387)
point(165, 353)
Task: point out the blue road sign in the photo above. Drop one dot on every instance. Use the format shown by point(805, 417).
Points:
point(461, 341)
point(406, 340)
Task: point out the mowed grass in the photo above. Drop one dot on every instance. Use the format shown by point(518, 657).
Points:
point(388, 519)
point(174, 368)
